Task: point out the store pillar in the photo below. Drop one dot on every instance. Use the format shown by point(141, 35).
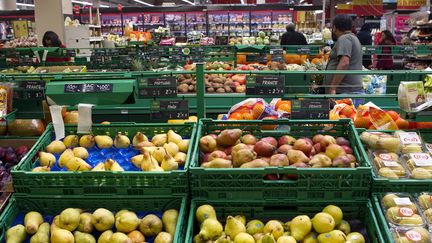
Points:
point(8, 5)
point(50, 15)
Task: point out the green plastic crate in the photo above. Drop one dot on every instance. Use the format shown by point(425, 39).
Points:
point(285, 211)
point(346, 184)
point(53, 205)
point(130, 183)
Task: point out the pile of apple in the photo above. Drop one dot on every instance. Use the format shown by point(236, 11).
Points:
point(326, 226)
point(76, 225)
point(231, 148)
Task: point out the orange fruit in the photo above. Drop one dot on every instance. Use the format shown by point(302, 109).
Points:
point(402, 123)
point(362, 122)
point(247, 116)
point(242, 109)
point(281, 102)
point(372, 127)
point(269, 127)
point(236, 116)
point(342, 116)
point(284, 107)
point(347, 111)
point(257, 110)
point(394, 115)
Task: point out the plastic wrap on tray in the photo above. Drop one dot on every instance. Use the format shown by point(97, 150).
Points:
point(411, 235)
point(388, 165)
point(419, 165)
point(401, 211)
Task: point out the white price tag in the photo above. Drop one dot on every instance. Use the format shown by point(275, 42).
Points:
point(409, 138)
point(429, 147)
point(401, 201)
point(391, 163)
point(421, 159)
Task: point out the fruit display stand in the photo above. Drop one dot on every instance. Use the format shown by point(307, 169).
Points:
point(131, 183)
point(49, 206)
point(359, 214)
point(302, 184)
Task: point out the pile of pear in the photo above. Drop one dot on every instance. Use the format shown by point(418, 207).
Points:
point(327, 226)
point(74, 225)
point(164, 152)
point(394, 215)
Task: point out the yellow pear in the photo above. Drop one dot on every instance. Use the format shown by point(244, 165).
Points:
point(244, 238)
point(159, 139)
point(119, 213)
point(159, 154)
point(335, 212)
point(127, 222)
point(148, 149)
point(356, 237)
point(139, 138)
point(62, 236)
point(41, 169)
point(204, 212)
point(77, 164)
point(103, 219)
point(42, 235)
point(55, 147)
point(171, 148)
point(136, 236)
point(69, 219)
point(334, 236)
point(233, 227)
point(32, 221)
point(300, 226)
point(168, 163)
point(105, 237)
point(173, 137)
point(55, 224)
point(99, 167)
point(323, 223)
point(254, 227)
point(169, 220)
point(312, 237)
point(180, 158)
point(121, 141)
point(210, 229)
point(84, 237)
point(47, 159)
point(274, 228)
point(104, 141)
point(16, 234)
point(80, 152)
point(119, 237)
point(163, 237)
point(71, 141)
point(112, 165)
point(85, 224)
point(136, 160)
point(241, 218)
point(65, 157)
point(286, 239)
point(87, 141)
point(150, 225)
point(183, 145)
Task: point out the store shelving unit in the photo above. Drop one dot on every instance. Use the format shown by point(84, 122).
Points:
point(239, 23)
point(218, 23)
point(153, 20)
point(176, 21)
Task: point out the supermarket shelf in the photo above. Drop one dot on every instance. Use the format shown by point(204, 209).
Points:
point(153, 24)
point(196, 23)
point(111, 25)
point(218, 22)
point(261, 22)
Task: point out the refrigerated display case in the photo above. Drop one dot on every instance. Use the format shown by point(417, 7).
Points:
point(111, 24)
point(196, 22)
point(218, 23)
point(280, 19)
point(261, 21)
point(239, 23)
point(153, 20)
point(136, 19)
point(176, 23)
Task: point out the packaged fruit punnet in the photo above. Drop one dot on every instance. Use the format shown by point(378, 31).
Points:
point(410, 142)
point(424, 201)
point(401, 211)
point(411, 235)
point(379, 141)
point(388, 165)
point(419, 165)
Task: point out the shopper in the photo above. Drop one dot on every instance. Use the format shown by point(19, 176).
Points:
point(365, 38)
point(292, 37)
point(345, 55)
point(385, 61)
point(51, 39)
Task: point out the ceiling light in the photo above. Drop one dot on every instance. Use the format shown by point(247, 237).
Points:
point(82, 2)
point(242, 1)
point(104, 6)
point(348, 3)
point(186, 1)
point(318, 11)
point(142, 2)
point(25, 4)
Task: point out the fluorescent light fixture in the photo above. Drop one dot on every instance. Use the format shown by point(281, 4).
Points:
point(104, 6)
point(186, 1)
point(25, 4)
point(142, 2)
point(242, 1)
point(82, 2)
point(318, 11)
point(348, 3)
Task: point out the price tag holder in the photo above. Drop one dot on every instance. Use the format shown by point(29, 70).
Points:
point(277, 54)
point(30, 90)
point(369, 50)
point(265, 85)
point(169, 109)
point(89, 88)
point(158, 87)
point(303, 50)
point(310, 109)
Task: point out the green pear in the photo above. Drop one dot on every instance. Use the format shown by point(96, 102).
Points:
point(32, 220)
point(127, 222)
point(55, 147)
point(233, 227)
point(47, 159)
point(274, 228)
point(286, 239)
point(344, 226)
point(119, 237)
point(334, 236)
point(150, 225)
point(323, 223)
point(16, 234)
point(335, 212)
point(42, 235)
point(71, 141)
point(103, 219)
point(254, 226)
point(312, 237)
point(62, 236)
point(223, 239)
point(119, 213)
point(300, 226)
point(87, 141)
point(69, 219)
point(241, 218)
point(84, 237)
point(85, 224)
point(204, 212)
point(163, 237)
point(210, 229)
point(169, 221)
point(105, 237)
point(267, 238)
point(244, 238)
point(355, 237)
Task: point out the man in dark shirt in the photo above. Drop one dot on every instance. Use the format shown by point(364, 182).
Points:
point(365, 38)
point(292, 37)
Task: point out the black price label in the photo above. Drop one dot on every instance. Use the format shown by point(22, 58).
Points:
point(89, 88)
point(29, 94)
point(32, 85)
point(310, 109)
point(169, 109)
point(265, 85)
point(158, 87)
point(277, 54)
point(303, 50)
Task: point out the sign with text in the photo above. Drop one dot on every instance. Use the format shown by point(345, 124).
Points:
point(158, 87)
point(265, 85)
point(410, 4)
point(277, 54)
point(89, 88)
point(310, 109)
point(30, 89)
point(169, 109)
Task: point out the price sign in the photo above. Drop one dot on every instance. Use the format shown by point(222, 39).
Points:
point(303, 50)
point(277, 54)
point(198, 54)
point(169, 109)
point(88, 88)
point(31, 89)
point(158, 87)
point(310, 109)
point(265, 85)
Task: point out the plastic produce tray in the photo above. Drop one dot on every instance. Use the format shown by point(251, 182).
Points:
point(131, 183)
point(353, 212)
point(50, 206)
point(324, 184)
